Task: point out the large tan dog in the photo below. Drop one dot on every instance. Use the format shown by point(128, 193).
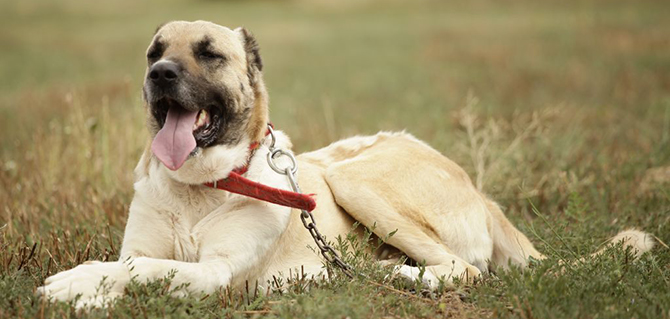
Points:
point(206, 103)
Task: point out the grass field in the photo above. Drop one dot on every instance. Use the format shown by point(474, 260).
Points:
point(560, 110)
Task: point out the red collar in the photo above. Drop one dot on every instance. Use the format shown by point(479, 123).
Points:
point(236, 183)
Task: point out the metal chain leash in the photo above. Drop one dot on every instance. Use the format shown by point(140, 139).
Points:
point(307, 218)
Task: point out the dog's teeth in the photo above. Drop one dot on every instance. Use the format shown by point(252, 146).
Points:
point(202, 120)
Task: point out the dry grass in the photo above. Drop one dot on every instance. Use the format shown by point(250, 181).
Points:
point(561, 106)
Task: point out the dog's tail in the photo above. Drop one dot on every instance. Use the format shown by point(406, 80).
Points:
point(638, 241)
point(510, 246)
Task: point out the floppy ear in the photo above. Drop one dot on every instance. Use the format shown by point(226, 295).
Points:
point(259, 118)
point(254, 61)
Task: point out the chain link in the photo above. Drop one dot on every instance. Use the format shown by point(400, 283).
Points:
point(306, 217)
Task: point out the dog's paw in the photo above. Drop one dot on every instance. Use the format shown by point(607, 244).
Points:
point(95, 282)
point(432, 276)
point(413, 274)
point(97, 301)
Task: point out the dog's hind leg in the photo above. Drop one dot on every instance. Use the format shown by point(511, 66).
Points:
point(431, 276)
point(438, 218)
point(510, 246)
point(413, 240)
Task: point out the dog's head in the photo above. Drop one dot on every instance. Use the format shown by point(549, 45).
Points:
point(205, 97)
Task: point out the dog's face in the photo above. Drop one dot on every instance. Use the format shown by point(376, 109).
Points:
point(204, 90)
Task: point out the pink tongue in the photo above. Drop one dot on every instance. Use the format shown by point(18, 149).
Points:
point(175, 141)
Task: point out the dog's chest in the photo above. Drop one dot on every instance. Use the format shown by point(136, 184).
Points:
point(191, 208)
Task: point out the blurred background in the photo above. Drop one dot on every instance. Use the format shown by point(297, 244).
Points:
point(538, 100)
point(559, 110)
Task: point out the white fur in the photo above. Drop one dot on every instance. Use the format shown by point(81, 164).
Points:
point(640, 242)
point(192, 229)
point(210, 164)
point(391, 182)
point(413, 274)
point(212, 238)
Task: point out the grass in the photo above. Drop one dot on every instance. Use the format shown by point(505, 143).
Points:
point(559, 110)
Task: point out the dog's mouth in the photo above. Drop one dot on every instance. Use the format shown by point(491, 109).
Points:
point(182, 131)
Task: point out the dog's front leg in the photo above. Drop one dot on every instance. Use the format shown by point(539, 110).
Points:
point(231, 242)
point(96, 283)
point(242, 238)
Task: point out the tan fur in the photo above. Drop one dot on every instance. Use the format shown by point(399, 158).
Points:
point(259, 117)
point(390, 182)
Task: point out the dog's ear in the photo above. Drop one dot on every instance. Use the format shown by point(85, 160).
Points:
point(251, 48)
point(258, 122)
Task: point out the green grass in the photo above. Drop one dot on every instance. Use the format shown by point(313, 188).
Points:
point(563, 106)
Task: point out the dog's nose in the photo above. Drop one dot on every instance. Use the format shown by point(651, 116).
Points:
point(164, 73)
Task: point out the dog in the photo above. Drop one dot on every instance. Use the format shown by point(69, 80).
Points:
point(206, 103)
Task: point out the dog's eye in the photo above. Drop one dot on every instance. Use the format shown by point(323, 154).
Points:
point(208, 55)
point(153, 55)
